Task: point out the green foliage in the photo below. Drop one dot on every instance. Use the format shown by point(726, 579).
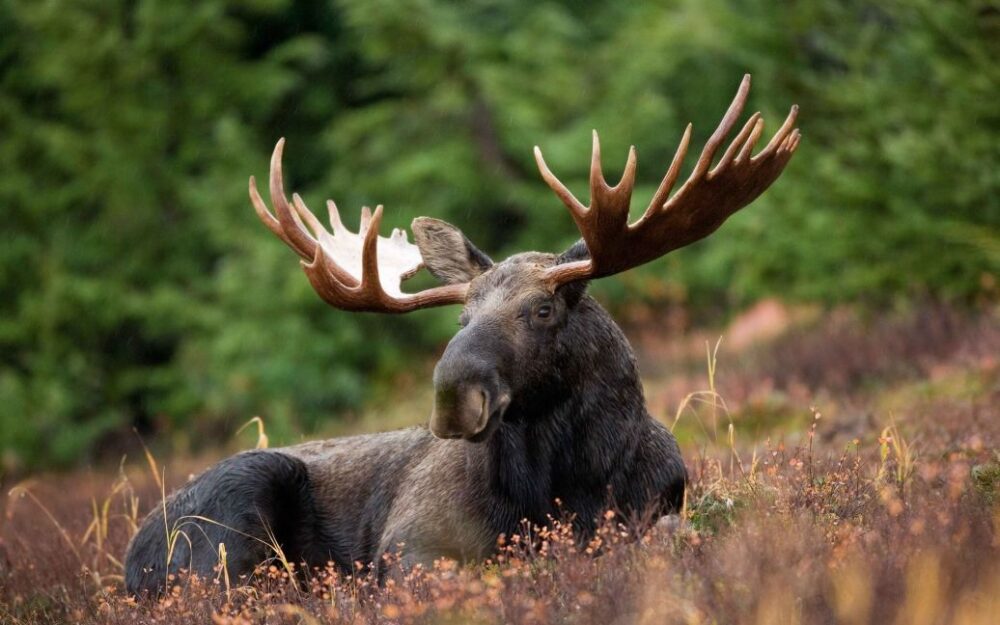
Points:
point(986, 480)
point(138, 289)
point(715, 511)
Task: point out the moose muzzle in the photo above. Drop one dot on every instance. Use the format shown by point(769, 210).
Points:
point(460, 412)
point(470, 396)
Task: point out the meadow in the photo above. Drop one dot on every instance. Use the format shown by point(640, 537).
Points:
point(844, 465)
point(842, 440)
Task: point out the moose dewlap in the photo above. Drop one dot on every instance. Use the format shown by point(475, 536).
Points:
point(537, 397)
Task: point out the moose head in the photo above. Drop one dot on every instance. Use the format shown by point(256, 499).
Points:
point(522, 323)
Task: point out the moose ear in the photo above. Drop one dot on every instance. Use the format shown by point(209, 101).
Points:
point(447, 253)
point(577, 251)
point(572, 292)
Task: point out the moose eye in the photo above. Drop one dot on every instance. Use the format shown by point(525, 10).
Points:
point(544, 311)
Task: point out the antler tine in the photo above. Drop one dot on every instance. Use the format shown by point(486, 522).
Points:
point(796, 135)
point(366, 219)
point(369, 253)
point(747, 150)
point(739, 142)
point(597, 181)
point(335, 223)
point(779, 137)
point(628, 176)
point(576, 208)
point(295, 234)
point(723, 129)
point(667, 184)
point(265, 215)
point(306, 215)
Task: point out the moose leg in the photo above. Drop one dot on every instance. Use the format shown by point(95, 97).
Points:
point(252, 502)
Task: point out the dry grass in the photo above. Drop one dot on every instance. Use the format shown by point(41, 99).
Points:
point(881, 508)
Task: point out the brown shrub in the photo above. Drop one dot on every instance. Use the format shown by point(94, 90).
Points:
point(899, 525)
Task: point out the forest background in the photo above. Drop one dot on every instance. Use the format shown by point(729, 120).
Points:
point(139, 291)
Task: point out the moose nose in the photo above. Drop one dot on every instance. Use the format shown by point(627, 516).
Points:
point(460, 411)
point(470, 391)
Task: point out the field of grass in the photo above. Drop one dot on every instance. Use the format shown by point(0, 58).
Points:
point(845, 468)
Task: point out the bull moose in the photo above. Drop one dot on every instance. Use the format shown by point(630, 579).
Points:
point(537, 397)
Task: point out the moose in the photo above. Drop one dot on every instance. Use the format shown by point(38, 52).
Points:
point(538, 407)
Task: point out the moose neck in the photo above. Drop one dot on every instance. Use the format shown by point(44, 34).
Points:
point(565, 437)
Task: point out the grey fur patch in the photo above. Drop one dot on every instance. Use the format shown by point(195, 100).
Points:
point(447, 253)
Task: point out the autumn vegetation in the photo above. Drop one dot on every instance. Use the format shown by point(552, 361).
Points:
point(844, 469)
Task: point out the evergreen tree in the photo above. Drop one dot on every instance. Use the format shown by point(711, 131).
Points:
point(138, 289)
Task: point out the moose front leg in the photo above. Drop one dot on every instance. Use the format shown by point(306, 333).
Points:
point(424, 526)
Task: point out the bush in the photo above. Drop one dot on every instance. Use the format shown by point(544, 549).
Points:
point(139, 290)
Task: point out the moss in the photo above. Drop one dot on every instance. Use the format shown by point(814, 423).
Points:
point(986, 481)
point(713, 512)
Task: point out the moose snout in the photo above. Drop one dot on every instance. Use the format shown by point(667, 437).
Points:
point(460, 411)
point(470, 393)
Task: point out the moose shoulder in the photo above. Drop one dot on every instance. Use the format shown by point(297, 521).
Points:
point(537, 397)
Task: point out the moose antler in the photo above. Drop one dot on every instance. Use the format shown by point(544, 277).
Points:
point(703, 202)
point(360, 272)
